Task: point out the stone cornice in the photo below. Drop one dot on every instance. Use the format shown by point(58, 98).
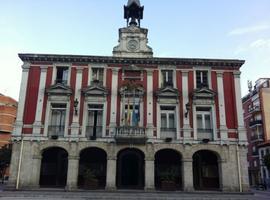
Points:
point(82, 59)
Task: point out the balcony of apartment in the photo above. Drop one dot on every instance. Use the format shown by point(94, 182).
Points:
point(56, 131)
point(130, 135)
point(254, 109)
point(257, 137)
point(255, 153)
point(168, 134)
point(93, 132)
point(205, 134)
point(255, 123)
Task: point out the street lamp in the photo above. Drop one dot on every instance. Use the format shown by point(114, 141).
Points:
point(76, 102)
point(187, 109)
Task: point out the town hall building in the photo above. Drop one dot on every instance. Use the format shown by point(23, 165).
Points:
point(130, 120)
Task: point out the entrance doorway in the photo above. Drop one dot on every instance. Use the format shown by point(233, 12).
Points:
point(54, 165)
point(168, 173)
point(205, 171)
point(130, 169)
point(92, 168)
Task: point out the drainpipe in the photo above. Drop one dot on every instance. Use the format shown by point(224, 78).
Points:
point(239, 169)
point(19, 166)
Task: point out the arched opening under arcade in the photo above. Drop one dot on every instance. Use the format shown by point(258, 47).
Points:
point(54, 165)
point(130, 169)
point(206, 174)
point(168, 170)
point(92, 168)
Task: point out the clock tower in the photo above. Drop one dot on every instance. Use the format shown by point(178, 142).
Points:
point(133, 39)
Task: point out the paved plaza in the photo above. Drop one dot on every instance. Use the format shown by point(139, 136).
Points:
point(130, 195)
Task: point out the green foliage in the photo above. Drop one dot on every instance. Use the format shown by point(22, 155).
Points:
point(266, 161)
point(170, 174)
point(89, 174)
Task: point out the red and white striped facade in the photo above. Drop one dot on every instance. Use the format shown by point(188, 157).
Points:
point(37, 76)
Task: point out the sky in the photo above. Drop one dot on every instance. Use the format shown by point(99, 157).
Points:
point(225, 29)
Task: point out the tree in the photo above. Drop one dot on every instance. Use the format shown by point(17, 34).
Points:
point(5, 156)
point(266, 161)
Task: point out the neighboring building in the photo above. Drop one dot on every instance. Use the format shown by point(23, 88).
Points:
point(264, 149)
point(8, 111)
point(131, 120)
point(257, 120)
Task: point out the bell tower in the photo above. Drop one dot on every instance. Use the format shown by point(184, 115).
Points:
point(133, 39)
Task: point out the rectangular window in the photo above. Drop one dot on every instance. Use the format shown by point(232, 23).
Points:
point(58, 120)
point(61, 75)
point(97, 75)
point(95, 121)
point(202, 79)
point(132, 114)
point(167, 78)
point(167, 118)
point(204, 122)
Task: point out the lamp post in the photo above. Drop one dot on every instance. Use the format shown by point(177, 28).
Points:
point(76, 102)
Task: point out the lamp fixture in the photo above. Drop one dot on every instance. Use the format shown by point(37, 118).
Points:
point(187, 109)
point(76, 102)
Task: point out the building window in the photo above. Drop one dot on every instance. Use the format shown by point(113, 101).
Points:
point(58, 120)
point(267, 151)
point(167, 78)
point(131, 115)
point(255, 163)
point(97, 75)
point(61, 75)
point(204, 123)
point(167, 115)
point(202, 79)
point(95, 121)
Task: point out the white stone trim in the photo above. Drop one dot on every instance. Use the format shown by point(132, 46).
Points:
point(185, 92)
point(114, 99)
point(20, 110)
point(221, 105)
point(149, 96)
point(40, 100)
point(55, 65)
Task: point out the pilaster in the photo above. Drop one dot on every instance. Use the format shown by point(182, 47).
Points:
point(111, 173)
point(72, 175)
point(149, 96)
point(187, 169)
point(149, 173)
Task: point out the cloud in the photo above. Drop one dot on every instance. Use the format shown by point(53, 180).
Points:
point(260, 43)
point(250, 29)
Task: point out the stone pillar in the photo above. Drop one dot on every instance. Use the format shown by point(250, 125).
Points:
point(41, 91)
point(111, 173)
point(244, 168)
point(224, 178)
point(75, 126)
point(13, 170)
point(186, 129)
point(36, 171)
point(149, 103)
point(242, 135)
point(149, 174)
point(187, 174)
point(221, 104)
point(72, 175)
point(113, 100)
point(19, 119)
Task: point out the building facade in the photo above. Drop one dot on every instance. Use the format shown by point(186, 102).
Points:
point(130, 121)
point(257, 119)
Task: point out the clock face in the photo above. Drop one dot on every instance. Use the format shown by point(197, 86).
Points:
point(133, 45)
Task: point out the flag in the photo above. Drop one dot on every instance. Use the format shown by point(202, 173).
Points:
point(128, 114)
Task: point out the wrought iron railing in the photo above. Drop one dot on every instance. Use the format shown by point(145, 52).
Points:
point(254, 123)
point(55, 131)
point(256, 137)
point(93, 132)
point(130, 131)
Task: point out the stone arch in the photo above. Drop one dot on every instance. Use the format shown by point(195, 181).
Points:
point(47, 145)
point(168, 169)
point(206, 170)
point(54, 166)
point(83, 147)
point(130, 168)
point(92, 168)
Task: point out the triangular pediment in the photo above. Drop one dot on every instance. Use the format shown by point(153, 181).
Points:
point(167, 92)
point(59, 89)
point(203, 93)
point(95, 90)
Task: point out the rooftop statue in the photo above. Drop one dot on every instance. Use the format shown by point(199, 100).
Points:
point(133, 12)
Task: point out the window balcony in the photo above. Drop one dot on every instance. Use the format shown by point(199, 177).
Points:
point(130, 135)
point(255, 153)
point(254, 109)
point(93, 132)
point(55, 131)
point(203, 134)
point(255, 123)
point(257, 138)
point(166, 133)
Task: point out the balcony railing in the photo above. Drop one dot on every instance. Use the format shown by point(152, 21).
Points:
point(130, 134)
point(167, 133)
point(254, 109)
point(93, 132)
point(205, 134)
point(257, 137)
point(55, 131)
point(255, 123)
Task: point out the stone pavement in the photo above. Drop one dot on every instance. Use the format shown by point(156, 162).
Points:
point(129, 195)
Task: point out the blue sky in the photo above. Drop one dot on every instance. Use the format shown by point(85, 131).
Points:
point(236, 29)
